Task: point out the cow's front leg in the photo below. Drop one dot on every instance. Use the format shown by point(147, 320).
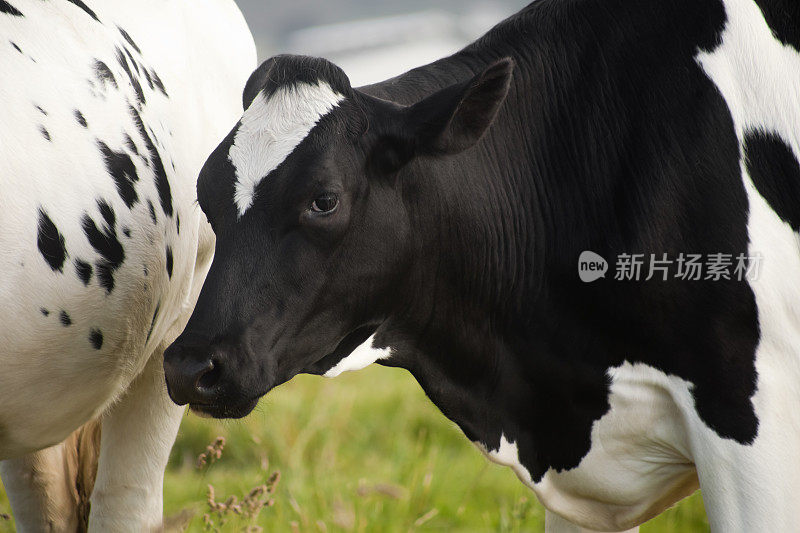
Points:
point(49, 489)
point(752, 488)
point(138, 433)
point(553, 523)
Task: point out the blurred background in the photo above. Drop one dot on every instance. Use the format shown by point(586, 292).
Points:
point(372, 39)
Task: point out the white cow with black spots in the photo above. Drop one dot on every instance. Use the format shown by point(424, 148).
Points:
point(108, 111)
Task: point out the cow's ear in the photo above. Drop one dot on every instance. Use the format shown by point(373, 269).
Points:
point(256, 82)
point(455, 118)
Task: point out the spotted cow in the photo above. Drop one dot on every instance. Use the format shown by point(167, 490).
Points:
point(437, 222)
point(108, 109)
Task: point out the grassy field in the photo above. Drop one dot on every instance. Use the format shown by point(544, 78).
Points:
point(364, 452)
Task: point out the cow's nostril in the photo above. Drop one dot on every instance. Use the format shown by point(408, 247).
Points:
point(210, 377)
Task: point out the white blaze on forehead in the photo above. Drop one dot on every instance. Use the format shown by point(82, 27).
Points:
point(270, 130)
point(362, 357)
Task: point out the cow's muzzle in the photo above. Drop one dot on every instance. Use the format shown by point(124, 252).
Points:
point(198, 376)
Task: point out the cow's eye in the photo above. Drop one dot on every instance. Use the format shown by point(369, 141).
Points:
point(325, 203)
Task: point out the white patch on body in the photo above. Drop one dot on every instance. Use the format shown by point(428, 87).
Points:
point(507, 455)
point(361, 357)
point(758, 76)
point(637, 465)
point(640, 460)
point(271, 128)
point(754, 488)
point(554, 523)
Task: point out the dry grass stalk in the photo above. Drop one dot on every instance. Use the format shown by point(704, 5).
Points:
point(343, 516)
point(395, 492)
point(250, 506)
point(426, 517)
point(212, 454)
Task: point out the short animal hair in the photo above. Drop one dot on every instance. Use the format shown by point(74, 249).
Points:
point(289, 70)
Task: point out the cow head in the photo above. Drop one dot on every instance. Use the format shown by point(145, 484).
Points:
point(309, 197)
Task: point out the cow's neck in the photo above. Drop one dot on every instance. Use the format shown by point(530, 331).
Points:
point(494, 321)
point(478, 342)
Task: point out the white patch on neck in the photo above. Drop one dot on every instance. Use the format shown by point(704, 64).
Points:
point(507, 455)
point(362, 357)
point(271, 128)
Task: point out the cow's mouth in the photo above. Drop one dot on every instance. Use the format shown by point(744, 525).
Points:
point(226, 410)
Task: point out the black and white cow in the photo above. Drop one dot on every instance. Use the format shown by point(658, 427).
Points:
point(435, 222)
point(108, 111)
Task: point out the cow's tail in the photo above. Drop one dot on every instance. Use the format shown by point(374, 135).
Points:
point(81, 452)
point(49, 489)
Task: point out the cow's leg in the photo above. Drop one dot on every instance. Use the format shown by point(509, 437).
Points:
point(39, 491)
point(49, 489)
point(744, 494)
point(138, 433)
point(751, 489)
point(553, 523)
point(755, 486)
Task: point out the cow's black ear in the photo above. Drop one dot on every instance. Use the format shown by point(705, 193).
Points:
point(455, 118)
point(256, 82)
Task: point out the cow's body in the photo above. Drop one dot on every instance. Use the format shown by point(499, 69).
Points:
point(107, 112)
point(629, 127)
point(712, 92)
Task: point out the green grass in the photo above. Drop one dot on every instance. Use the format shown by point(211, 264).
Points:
point(364, 452)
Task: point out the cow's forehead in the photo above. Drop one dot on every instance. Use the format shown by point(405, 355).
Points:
point(271, 128)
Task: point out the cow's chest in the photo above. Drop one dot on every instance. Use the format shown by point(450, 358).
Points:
point(639, 461)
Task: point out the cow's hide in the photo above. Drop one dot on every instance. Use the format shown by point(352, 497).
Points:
point(107, 111)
